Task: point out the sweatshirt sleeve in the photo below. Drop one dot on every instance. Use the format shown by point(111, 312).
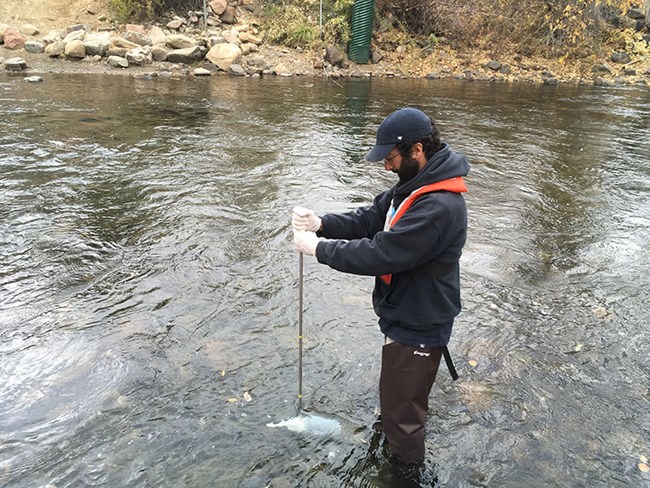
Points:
point(418, 237)
point(362, 222)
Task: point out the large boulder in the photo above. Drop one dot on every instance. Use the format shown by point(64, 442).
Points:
point(96, 44)
point(140, 56)
point(55, 49)
point(14, 39)
point(75, 49)
point(157, 35)
point(223, 55)
point(77, 35)
point(187, 55)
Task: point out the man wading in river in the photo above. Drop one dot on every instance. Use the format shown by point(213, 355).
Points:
point(410, 239)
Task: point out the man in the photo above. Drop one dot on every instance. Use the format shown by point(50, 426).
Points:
point(410, 239)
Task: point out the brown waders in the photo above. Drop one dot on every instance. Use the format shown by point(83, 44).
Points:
point(407, 375)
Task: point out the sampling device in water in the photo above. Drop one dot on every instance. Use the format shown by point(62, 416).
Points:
point(306, 422)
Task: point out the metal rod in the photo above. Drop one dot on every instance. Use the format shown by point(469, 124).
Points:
point(300, 308)
point(205, 14)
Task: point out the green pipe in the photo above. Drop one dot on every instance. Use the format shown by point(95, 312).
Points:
point(363, 13)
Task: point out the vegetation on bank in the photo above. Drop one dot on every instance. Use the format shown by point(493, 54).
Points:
point(557, 29)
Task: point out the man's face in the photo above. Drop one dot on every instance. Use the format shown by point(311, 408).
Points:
point(406, 168)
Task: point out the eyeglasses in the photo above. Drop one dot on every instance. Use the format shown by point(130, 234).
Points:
point(390, 160)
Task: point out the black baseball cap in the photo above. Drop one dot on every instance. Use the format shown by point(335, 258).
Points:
point(403, 125)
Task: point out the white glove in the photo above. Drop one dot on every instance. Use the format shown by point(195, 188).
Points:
point(305, 242)
point(305, 219)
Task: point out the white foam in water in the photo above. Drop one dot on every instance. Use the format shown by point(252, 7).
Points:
point(310, 424)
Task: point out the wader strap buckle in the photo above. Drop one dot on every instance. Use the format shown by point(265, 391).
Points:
point(450, 364)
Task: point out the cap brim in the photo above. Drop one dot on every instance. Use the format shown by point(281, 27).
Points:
point(379, 152)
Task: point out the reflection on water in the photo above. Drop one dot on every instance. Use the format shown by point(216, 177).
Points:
point(148, 288)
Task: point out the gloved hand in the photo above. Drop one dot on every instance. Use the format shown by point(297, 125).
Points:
point(305, 219)
point(305, 242)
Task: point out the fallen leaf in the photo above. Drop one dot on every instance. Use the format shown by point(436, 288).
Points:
point(472, 363)
point(578, 348)
point(644, 467)
point(247, 397)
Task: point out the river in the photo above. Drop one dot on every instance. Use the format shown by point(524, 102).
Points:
point(149, 286)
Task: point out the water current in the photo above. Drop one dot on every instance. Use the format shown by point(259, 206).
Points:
point(149, 286)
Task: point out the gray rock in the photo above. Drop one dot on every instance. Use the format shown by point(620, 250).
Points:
point(159, 53)
point(34, 47)
point(598, 81)
point(237, 70)
point(493, 65)
point(629, 72)
point(75, 27)
point(75, 49)
point(333, 55)
point(55, 49)
point(636, 13)
point(97, 44)
point(433, 76)
point(550, 81)
point(376, 57)
point(140, 56)
point(117, 51)
point(186, 56)
point(52, 37)
point(137, 37)
point(505, 69)
point(174, 24)
point(202, 72)
point(33, 79)
point(15, 64)
point(77, 35)
point(621, 58)
point(601, 68)
point(118, 62)
point(145, 76)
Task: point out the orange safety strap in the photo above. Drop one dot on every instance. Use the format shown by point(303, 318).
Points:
point(456, 185)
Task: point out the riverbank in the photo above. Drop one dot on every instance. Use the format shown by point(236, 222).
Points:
point(232, 43)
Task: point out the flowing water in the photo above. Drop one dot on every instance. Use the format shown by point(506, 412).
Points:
point(149, 286)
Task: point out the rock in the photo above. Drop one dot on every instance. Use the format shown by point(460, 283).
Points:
point(334, 56)
point(636, 13)
point(34, 47)
point(237, 70)
point(179, 41)
point(433, 76)
point(629, 72)
point(257, 64)
point(33, 79)
point(159, 53)
point(97, 44)
point(28, 30)
point(75, 27)
point(140, 29)
point(137, 37)
point(77, 35)
point(376, 57)
point(218, 6)
point(117, 51)
point(174, 25)
point(401, 51)
point(13, 39)
point(123, 43)
point(229, 16)
point(281, 70)
point(252, 38)
point(223, 55)
point(187, 55)
point(505, 69)
point(75, 49)
point(601, 68)
point(232, 37)
point(118, 62)
point(493, 65)
point(157, 35)
point(52, 37)
point(550, 81)
point(140, 56)
point(145, 76)
point(202, 72)
point(598, 81)
point(55, 49)
point(621, 58)
point(15, 64)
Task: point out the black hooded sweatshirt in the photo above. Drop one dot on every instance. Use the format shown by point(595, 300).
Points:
point(412, 310)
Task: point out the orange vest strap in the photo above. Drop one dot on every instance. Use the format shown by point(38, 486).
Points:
point(455, 185)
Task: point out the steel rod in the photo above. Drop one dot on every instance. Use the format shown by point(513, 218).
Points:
point(300, 311)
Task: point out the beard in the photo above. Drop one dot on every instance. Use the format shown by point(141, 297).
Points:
point(408, 170)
